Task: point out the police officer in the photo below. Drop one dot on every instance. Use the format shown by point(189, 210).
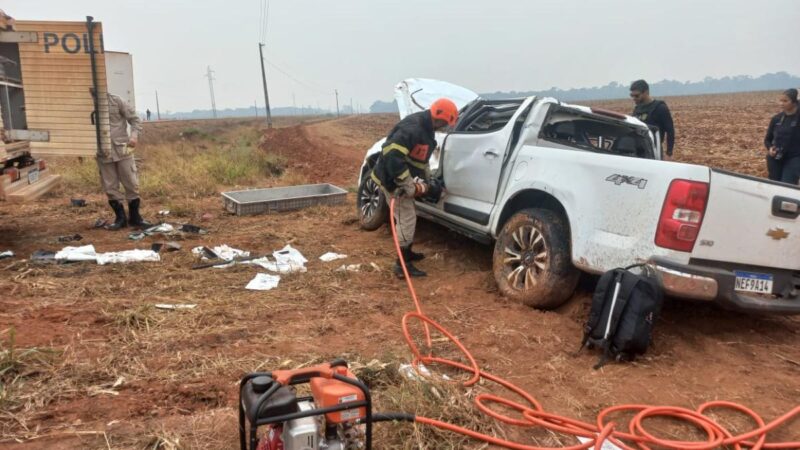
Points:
point(117, 165)
point(783, 141)
point(402, 171)
point(653, 112)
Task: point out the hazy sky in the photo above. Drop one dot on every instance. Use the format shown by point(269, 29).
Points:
point(362, 47)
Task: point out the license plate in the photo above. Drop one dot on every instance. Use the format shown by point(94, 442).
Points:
point(33, 176)
point(760, 283)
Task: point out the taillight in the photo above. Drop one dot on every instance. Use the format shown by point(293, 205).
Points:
point(682, 215)
point(42, 165)
point(12, 173)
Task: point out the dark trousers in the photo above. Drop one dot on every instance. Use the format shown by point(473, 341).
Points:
point(786, 170)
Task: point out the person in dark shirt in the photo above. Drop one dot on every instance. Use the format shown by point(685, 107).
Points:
point(783, 141)
point(653, 112)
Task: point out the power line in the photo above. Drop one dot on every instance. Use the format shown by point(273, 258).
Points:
point(316, 89)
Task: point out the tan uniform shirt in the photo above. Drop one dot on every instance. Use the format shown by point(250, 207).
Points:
point(120, 114)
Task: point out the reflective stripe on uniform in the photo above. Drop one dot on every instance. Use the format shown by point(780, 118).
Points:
point(417, 164)
point(397, 147)
point(406, 173)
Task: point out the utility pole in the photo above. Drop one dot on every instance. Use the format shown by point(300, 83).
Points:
point(337, 101)
point(294, 105)
point(210, 75)
point(158, 110)
point(255, 106)
point(264, 80)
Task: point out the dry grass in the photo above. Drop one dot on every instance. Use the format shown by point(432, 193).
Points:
point(196, 164)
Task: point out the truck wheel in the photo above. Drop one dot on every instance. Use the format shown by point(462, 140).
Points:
point(532, 261)
point(372, 208)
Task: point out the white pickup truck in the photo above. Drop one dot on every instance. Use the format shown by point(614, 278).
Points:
point(562, 188)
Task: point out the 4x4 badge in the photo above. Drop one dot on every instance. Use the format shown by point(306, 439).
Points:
point(777, 233)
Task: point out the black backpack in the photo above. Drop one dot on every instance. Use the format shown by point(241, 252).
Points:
point(625, 306)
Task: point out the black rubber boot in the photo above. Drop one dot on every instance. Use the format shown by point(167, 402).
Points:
point(134, 218)
point(412, 271)
point(119, 213)
point(414, 255)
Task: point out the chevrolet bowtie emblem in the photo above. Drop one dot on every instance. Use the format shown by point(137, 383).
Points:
point(777, 233)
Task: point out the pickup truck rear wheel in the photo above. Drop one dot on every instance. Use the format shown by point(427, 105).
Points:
point(532, 261)
point(373, 211)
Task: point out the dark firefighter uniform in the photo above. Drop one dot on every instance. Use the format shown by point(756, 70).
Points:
point(657, 113)
point(405, 156)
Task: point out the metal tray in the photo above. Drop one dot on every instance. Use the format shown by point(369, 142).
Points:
point(260, 201)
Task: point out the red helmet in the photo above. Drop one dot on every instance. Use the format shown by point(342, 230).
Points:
point(446, 110)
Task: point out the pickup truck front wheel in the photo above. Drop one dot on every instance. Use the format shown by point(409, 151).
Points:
point(532, 261)
point(373, 211)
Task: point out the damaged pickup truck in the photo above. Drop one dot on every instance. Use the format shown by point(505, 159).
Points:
point(562, 188)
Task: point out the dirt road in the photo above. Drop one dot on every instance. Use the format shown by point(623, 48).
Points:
point(104, 369)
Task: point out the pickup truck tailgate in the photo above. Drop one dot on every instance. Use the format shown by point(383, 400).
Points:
point(750, 221)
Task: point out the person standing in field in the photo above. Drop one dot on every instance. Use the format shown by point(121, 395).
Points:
point(653, 112)
point(148, 114)
point(117, 165)
point(783, 141)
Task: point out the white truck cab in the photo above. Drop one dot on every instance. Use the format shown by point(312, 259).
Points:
point(560, 188)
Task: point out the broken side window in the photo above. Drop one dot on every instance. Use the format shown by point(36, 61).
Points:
point(586, 131)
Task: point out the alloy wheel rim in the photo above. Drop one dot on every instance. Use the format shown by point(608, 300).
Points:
point(525, 257)
point(369, 198)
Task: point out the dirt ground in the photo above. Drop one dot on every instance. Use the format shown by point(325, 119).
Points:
point(95, 365)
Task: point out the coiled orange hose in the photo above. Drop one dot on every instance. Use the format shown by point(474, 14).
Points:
point(533, 415)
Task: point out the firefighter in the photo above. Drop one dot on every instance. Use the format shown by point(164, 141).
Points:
point(783, 141)
point(118, 166)
point(402, 171)
point(653, 112)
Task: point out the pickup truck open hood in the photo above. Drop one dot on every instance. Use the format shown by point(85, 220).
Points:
point(416, 94)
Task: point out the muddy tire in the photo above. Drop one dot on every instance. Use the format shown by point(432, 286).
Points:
point(373, 211)
point(532, 262)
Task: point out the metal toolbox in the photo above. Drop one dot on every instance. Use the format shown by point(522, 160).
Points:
point(259, 201)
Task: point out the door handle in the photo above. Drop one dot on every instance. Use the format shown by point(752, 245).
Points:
point(491, 153)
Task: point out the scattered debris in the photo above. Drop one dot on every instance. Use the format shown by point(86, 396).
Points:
point(289, 260)
point(127, 256)
point(43, 257)
point(189, 228)
point(78, 202)
point(331, 256)
point(206, 217)
point(88, 253)
point(70, 238)
point(156, 246)
point(349, 268)
point(160, 228)
point(172, 246)
point(100, 223)
point(137, 236)
point(421, 372)
point(174, 307)
point(6, 254)
point(163, 212)
point(83, 253)
point(605, 446)
point(263, 282)
point(375, 267)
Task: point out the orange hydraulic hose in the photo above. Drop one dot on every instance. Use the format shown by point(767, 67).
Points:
point(533, 415)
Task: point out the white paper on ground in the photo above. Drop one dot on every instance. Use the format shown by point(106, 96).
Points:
point(169, 306)
point(7, 254)
point(82, 253)
point(349, 268)
point(331, 256)
point(224, 252)
point(263, 282)
point(161, 228)
point(606, 445)
point(288, 260)
point(127, 256)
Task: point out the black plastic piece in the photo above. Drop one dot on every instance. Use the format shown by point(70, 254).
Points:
point(282, 402)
